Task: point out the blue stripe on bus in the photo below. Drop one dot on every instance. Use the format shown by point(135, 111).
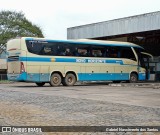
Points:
point(65, 59)
point(35, 59)
point(114, 61)
point(74, 60)
point(102, 76)
point(36, 77)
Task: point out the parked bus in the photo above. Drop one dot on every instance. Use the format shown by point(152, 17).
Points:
point(58, 62)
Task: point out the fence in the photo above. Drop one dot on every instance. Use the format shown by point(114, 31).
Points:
point(3, 77)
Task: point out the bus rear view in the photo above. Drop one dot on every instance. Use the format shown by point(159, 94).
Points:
point(16, 69)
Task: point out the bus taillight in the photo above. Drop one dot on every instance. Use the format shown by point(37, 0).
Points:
point(22, 68)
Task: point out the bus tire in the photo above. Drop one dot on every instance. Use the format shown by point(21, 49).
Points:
point(55, 79)
point(40, 84)
point(69, 80)
point(133, 78)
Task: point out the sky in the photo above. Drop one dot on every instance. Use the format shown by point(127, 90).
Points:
point(55, 16)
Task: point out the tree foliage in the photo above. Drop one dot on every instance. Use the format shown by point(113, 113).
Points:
point(14, 24)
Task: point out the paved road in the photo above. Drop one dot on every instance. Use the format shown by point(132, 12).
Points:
point(91, 105)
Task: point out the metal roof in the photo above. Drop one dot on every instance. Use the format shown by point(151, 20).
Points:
point(133, 24)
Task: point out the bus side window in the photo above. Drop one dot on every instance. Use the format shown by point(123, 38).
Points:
point(68, 52)
point(60, 49)
point(128, 53)
point(61, 52)
point(34, 47)
point(54, 50)
point(107, 52)
point(112, 52)
point(47, 50)
point(115, 53)
point(75, 52)
point(82, 52)
point(98, 51)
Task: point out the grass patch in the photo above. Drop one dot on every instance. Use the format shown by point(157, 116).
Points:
point(5, 81)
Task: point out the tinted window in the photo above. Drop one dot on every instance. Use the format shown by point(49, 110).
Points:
point(34, 47)
point(112, 52)
point(81, 50)
point(78, 50)
point(126, 52)
point(44, 48)
point(48, 49)
point(65, 49)
point(98, 51)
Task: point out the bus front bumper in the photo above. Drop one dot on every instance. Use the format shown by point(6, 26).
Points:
point(142, 76)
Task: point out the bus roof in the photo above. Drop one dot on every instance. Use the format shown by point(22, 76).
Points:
point(114, 43)
point(89, 41)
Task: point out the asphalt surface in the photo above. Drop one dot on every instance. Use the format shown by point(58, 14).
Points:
point(25, 104)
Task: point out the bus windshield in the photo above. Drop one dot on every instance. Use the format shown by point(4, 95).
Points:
point(143, 57)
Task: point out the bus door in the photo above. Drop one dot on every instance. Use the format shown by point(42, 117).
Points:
point(145, 60)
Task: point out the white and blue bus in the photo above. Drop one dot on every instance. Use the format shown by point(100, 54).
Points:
point(58, 62)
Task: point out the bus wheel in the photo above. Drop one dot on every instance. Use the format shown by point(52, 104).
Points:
point(133, 78)
point(69, 80)
point(40, 84)
point(55, 79)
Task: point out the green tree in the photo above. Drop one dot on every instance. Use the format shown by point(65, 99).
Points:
point(14, 24)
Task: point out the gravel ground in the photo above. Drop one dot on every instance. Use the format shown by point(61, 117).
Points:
point(21, 108)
